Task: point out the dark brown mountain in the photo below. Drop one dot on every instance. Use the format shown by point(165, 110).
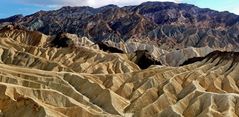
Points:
point(169, 24)
point(14, 18)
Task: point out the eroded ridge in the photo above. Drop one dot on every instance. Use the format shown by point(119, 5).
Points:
point(41, 80)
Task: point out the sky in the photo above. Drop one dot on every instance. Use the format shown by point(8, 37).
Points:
point(26, 7)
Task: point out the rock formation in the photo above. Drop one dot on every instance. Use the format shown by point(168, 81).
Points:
point(170, 25)
point(151, 60)
point(38, 78)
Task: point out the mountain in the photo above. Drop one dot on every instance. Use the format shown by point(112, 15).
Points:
point(170, 25)
point(156, 59)
point(14, 18)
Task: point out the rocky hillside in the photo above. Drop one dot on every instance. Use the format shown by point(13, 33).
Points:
point(68, 76)
point(151, 60)
point(170, 25)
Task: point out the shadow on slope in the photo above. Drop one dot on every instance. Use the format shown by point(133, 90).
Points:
point(214, 54)
point(143, 59)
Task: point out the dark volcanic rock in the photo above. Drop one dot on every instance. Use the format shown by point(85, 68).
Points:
point(143, 59)
point(185, 14)
point(61, 41)
point(14, 18)
point(108, 48)
point(169, 24)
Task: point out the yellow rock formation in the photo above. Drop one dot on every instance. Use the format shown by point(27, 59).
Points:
point(39, 80)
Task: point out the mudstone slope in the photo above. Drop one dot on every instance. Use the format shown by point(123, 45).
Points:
point(41, 78)
point(155, 59)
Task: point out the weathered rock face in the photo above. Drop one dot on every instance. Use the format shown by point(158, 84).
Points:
point(142, 65)
point(143, 59)
point(105, 47)
point(152, 54)
point(37, 79)
point(178, 57)
point(185, 14)
point(36, 45)
point(168, 24)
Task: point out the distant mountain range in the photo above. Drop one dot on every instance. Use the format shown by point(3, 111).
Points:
point(170, 25)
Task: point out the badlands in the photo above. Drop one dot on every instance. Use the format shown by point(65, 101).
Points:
point(155, 59)
point(70, 76)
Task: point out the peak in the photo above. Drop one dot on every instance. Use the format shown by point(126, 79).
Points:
point(18, 15)
point(157, 3)
point(75, 7)
point(107, 7)
point(110, 6)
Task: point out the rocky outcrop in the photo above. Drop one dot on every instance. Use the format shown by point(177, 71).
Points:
point(105, 47)
point(151, 60)
point(41, 80)
point(156, 55)
point(36, 50)
point(144, 59)
point(178, 57)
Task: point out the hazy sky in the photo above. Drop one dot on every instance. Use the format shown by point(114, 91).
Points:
point(25, 7)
